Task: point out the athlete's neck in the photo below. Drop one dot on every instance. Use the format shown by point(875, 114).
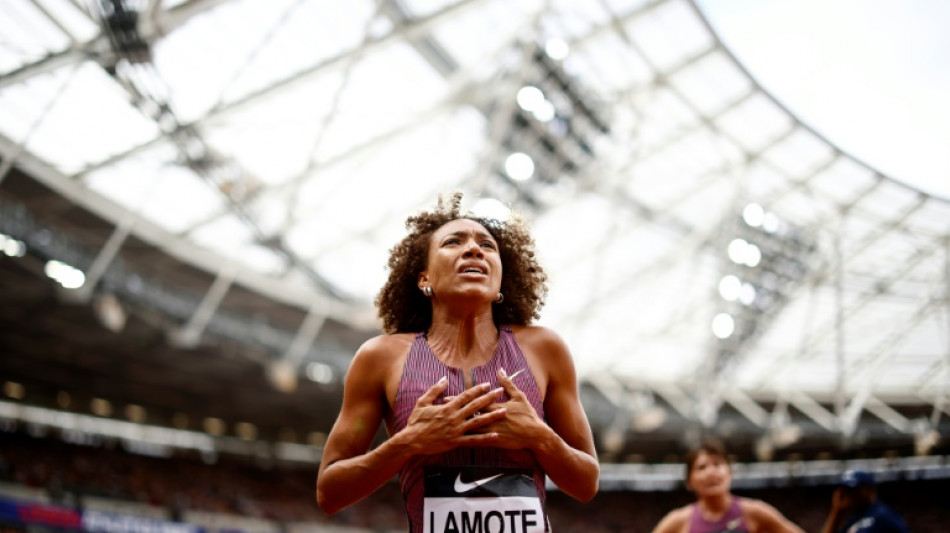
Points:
point(463, 343)
point(715, 505)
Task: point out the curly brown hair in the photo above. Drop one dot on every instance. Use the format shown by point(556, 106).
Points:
point(404, 309)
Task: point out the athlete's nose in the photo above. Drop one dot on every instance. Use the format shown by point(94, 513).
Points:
point(473, 249)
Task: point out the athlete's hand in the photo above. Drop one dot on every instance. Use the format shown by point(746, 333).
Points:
point(436, 428)
point(516, 429)
point(840, 499)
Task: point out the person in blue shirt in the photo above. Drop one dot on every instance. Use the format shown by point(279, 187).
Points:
point(855, 507)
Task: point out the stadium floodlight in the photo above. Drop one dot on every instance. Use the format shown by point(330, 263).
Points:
point(723, 325)
point(556, 49)
point(519, 166)
point(12, 247)
point(753, 215)
point(66, 275)
point(730, 287)
point(765, 259)
point(554, 122)
point(492, 208)
point(530, 98)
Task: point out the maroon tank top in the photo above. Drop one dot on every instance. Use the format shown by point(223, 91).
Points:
point(422, 370)
point(731, 521)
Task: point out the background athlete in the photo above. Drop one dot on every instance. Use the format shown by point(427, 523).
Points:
point(717, 510)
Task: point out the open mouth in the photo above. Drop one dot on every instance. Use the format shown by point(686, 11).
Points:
point(473, 269)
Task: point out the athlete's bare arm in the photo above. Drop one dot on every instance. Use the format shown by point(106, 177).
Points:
point(347, 472)
point(835, 515)
point(564, 446)
point(675, 521)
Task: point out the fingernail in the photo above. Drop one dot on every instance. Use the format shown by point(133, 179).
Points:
point(442, 380)
point(513, 376)
point(503, 373)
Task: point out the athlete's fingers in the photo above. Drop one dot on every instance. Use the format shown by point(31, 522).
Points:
point(474, 440)
point(508, 382)
point(479, 403)
point(483, 418)
point(429, 396)
point(468, 395)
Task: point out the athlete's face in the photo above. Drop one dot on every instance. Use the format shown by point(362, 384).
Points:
point(710, 475)
point(463, 260)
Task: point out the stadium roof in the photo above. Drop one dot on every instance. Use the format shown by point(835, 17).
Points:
point(250, 163)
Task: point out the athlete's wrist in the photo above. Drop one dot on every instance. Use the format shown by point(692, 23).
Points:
point(544, 440)
point(401, 446)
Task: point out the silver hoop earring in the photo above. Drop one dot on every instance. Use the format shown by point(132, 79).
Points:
point(427, 291)
point(501, 298)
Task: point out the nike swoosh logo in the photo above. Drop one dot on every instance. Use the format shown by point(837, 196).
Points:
point(461, 486)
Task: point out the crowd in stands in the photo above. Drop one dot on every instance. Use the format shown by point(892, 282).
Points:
point(231, 485)
point(285, 494)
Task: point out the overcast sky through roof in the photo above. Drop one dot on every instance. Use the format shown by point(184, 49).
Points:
point(631, 241)
point(871, 76)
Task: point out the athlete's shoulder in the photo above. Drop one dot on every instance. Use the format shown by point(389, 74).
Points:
point(885, 514)
point(762, 516)
point(675, 521)
point(548, 354)
point(388, 341)
point(381, 348)
point(540, 336)
point(754, 507)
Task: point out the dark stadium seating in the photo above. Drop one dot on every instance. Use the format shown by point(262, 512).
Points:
point(183, 487)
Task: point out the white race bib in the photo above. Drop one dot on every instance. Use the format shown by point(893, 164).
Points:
point(481, 500)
